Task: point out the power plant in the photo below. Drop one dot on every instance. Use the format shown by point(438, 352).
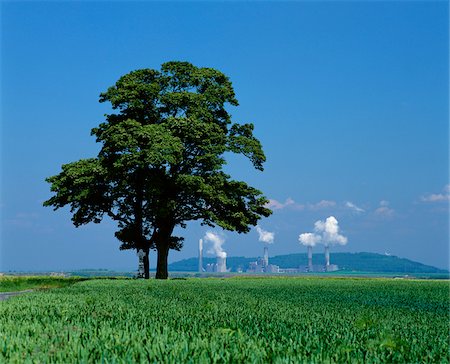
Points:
point(220, 266)
point(325, 232)
point(327, 267)
point(262, 264)
point(215, 240)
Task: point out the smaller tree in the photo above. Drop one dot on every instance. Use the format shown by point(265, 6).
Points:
point(161, 161)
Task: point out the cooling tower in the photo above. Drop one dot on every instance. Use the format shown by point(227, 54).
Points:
point(310, 264)
point(327, 255)
point(221, 264)
point(200, 255)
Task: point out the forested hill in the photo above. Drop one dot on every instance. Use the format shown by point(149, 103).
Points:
point(360, 262)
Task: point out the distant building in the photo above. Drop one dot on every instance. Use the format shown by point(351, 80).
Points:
point(261, 266)
point(254, 267)
point(291, 270)
point(331, 268)
point(319, 268)
point(220, 266)
point(272, 268)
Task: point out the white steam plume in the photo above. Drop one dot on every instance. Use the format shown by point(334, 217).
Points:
point(216, 240)
point(309, 239)
point(265, 236)
point(330, 231)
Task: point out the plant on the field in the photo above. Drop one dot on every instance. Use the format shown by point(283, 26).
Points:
point(281, 320)
point(161, 161)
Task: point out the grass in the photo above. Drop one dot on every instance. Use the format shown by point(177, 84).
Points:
point(257, 320)
point(21, 283)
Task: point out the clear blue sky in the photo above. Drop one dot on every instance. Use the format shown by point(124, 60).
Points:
point(349, 99)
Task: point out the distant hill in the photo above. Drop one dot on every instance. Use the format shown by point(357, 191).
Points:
point(100, 273)
point(359, 262)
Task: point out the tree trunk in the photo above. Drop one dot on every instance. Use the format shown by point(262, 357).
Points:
point(139, 219)
point(146, 264)
point(141, 270)
point(164, 226)
point(162, 271)
point(144, 261)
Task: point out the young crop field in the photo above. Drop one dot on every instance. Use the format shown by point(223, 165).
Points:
point(20, 283)
point(257, 320)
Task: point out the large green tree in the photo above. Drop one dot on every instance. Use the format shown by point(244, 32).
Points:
point(161, 161)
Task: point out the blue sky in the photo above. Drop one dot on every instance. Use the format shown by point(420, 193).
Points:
point(349, 99)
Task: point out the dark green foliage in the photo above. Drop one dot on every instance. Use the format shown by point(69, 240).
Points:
point(287, 320)
point(161, 161)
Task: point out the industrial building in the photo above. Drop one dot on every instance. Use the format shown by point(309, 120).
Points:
point(220, 266)
point(261, 265)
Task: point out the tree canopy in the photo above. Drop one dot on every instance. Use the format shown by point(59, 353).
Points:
point(161, 161)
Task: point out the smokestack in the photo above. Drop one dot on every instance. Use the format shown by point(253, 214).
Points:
point(327, 255)
point(266, 256)
point(200, 255)
point(310, 265)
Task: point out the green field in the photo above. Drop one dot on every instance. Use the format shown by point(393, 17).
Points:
point(21, 283)
point(282, 320)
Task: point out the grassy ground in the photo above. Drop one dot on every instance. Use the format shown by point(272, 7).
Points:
point(257, 320)
point(21, 283)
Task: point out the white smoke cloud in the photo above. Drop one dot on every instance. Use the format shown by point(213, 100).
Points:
point(293, 205)
point(277, 205)
point(309, 239)
point(321, 205)
point(216, 244)
point(265, 236)
point(330, 231)
point(384, 210)
point(438, 197)
point(353, 207)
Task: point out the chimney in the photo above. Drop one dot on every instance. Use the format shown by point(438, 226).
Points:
point(327, 255)
point(310, 265)
point(200, 255)
point(266, 256)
